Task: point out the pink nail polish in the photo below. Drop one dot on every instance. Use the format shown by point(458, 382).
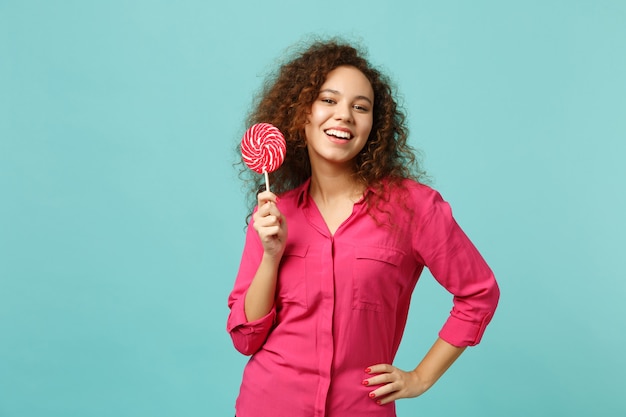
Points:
point(366, 382)
point(378, 402)
point(368, 370)
point(372, 395)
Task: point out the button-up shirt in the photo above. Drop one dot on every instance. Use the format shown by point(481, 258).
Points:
point(342, 301)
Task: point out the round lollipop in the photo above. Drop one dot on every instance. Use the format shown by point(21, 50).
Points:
point(263, 148)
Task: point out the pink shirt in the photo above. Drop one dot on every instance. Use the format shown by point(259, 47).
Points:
point(342, 302)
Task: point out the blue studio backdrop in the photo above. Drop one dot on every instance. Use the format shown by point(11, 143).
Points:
point(122, 217)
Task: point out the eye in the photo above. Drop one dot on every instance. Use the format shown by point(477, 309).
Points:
point(361, 108)
point(327, 100)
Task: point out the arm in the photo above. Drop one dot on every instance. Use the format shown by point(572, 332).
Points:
point(396, 383)
point(259, 298)
point(252, 299)
point(458, 266)
point(272, 230)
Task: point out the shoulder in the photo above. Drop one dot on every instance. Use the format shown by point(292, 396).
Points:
point(418, 197)
point(405, 200)
point(417, 188)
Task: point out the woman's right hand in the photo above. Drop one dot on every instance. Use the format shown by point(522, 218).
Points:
point(270, 225)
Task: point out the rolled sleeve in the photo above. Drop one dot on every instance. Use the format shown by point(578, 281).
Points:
point(248, 337)
point(460, 332)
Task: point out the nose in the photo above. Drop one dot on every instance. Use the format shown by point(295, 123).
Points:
point(343, 111)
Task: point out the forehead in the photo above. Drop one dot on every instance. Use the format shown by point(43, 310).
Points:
point(348, 80)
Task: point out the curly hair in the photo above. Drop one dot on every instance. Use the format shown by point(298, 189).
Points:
point(286, 99)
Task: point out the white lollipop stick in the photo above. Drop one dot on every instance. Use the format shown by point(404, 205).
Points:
point(267, 180)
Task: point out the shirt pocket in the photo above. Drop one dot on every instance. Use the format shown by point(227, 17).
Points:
point(291, 287)
point(375, 280)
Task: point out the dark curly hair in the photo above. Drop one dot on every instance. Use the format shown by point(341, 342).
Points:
point(286, 100)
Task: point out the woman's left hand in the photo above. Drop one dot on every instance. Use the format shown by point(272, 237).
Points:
point(393, 383)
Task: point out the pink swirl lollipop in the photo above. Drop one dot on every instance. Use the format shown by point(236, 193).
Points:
point(263, 149)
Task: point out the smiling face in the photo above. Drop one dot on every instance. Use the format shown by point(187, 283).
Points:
point(341, 118)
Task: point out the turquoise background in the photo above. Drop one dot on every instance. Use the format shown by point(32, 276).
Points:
point(122, 218)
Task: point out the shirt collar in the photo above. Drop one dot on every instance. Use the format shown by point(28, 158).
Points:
point(303, 193)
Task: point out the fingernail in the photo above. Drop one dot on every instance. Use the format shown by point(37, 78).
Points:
point(378, 402)
point(366, 382)
point(372, 395)
point(277, 199)
point(368, 370)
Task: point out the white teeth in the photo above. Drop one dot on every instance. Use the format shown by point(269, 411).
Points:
point(338, 133)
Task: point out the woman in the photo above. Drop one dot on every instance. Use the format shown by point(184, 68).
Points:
point(330, 262)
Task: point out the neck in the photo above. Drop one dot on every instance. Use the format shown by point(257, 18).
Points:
point(333, 186)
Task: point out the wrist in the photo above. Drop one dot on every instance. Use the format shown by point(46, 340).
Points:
point(422, 380)
point(272, 260)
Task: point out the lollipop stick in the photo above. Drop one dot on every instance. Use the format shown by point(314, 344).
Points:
point(267, 181)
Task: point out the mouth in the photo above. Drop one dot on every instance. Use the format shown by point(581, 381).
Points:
point(339, 134)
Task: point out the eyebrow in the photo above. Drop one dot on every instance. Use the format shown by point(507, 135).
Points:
point(328, 90)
